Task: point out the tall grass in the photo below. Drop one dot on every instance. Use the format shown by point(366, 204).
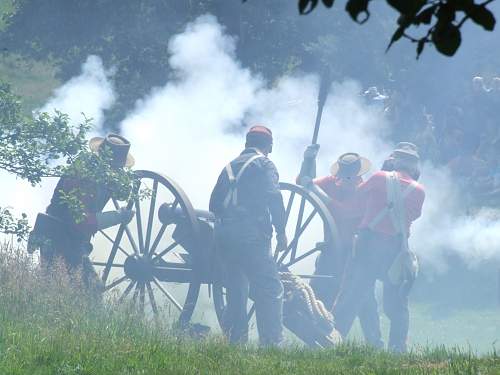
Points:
point(49, 326)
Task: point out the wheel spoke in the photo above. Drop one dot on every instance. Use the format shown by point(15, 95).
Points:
point(112, 254)
point(297, 227)
point(298, 233)
point(174, 204)
point(126, 229)
point(298, 259)
point(293, 244)
point(138, 219)
point(127, 291)
point(164, 252)
point(157, 239)
point(152, 300)
point(115, 283)
point(168, 295)
point(289, 207)
point(136, 292)
point(142, 298)
point(111, 240)
point(152, 207)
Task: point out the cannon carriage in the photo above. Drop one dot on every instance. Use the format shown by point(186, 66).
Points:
point(166, 254)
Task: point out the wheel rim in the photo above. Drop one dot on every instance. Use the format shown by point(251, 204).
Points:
point(147, 262)
point(310, 229)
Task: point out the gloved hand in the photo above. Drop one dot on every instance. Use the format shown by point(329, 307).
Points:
point(311, 151)
point(111, 218)
point(281, 242)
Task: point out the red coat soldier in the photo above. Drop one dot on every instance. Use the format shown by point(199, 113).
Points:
point(393, 201)
point(339, 192)
point(65, 236)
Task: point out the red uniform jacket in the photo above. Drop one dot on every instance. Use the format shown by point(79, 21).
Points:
point(346, 206)
point(374, 194)
point(92, 197)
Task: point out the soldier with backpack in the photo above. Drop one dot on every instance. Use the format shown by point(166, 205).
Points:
point(247, 204)
point(393, 201)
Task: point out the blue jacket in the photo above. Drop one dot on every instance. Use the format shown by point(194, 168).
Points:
point(259, 197)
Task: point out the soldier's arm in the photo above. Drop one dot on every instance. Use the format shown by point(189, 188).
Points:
point(217, 198)
point(273, 196)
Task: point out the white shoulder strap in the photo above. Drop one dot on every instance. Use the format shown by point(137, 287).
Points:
point(391, 198)
point(232, 195)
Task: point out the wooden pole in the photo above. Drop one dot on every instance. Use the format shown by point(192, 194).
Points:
point(324, 88)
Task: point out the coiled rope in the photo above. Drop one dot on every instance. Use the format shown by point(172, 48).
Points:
point(301, 293)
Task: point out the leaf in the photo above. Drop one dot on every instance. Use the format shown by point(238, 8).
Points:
point(396, 36)
point(409, 7)
point(355, 8)
point(425, 16)
point(447, 39)
point(482, 16)
point(420, 47)
point(328, 3)
point(446, 14)
point(307, 6)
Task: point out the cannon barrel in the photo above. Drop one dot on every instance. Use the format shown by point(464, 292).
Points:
point(169, 214)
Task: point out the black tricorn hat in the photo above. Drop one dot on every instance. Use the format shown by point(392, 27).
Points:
point(119, 147)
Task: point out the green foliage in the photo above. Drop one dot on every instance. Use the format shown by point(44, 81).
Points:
point(444, 33)
point(93, 170)
point(10, 225)
point(32, 147)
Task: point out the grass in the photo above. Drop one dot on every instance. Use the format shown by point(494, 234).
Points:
point(33, 81)
point(47, 326)
point(467, 328)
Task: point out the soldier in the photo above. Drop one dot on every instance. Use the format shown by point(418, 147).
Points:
point(247, 203)
point(393, 201)
point(68, 238)
point(339, 192)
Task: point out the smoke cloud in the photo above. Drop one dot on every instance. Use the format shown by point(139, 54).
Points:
point(190, 128)
point(86, 95)
point(90, 93)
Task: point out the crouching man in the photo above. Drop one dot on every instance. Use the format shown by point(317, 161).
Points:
point(393, 201)
point(64, 236)
point(247, 203)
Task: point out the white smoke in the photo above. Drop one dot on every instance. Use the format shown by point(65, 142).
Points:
point(184, 128)
point(190, 128)
point(90, 93)
point(447, 229)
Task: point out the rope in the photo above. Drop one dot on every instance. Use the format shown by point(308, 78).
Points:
point(303, 295)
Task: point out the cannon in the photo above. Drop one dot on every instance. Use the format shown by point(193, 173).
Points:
point(166, 253)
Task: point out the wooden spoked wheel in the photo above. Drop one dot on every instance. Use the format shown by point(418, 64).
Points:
point(310, 230)
point(149, 263)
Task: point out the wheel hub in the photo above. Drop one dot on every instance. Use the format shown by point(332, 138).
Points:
point(139, 268)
